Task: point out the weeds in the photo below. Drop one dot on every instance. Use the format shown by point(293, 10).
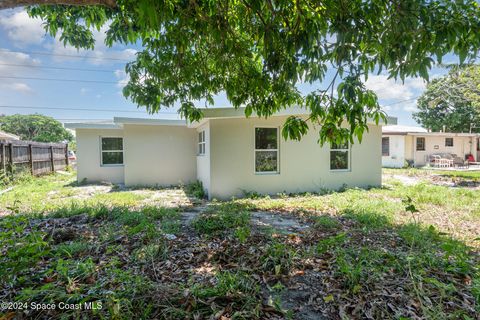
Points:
point(196, 189)
point(222, 218)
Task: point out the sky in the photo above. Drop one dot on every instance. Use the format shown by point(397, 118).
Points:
point(38, 74)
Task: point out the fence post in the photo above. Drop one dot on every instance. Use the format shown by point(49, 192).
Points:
point(52, 160)
point(30, 156)
point(2, 150)
point(11, 157)
point(67, 162)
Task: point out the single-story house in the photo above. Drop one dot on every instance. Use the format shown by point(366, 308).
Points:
point(8, 136)
point(226, 151)
point(403, 145)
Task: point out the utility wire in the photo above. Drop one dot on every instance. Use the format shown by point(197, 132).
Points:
point(64, 55)
point(61, 80)
point(78, 109)
point(56, 68)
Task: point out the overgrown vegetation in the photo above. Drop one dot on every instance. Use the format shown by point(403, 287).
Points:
point(379, 253)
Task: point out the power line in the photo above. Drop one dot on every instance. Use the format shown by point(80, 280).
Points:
point(56, 68)
point(78, 109)
point(65, 55)
point(62, 80)
point(392, 104)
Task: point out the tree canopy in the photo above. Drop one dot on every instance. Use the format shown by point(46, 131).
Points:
point(258, 52)
point(35, 127)
point(452, 101)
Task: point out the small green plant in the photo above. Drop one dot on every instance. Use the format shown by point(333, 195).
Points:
point(279, 258)
point(252, 194)
point(331, 242)
point(151, 252)
point(196, 189)
point(221, 218)
point(242, 233)
point(326, 222)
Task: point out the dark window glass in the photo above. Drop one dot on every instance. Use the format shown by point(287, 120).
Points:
point(386, 146)
point(420, 144)
point(335, 145)
point(266, 161)
point(448, 142)
point(112, 144)
point(338, 160)
point(266, 138)
point(112, 157)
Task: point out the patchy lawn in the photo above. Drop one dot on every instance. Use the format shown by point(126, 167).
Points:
point(148, 253)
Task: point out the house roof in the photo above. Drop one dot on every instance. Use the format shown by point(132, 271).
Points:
point(399, 129)
point(209, 113)
point(418, 131)
point(8, 136)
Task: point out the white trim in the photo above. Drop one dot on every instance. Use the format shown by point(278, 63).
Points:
point(201, 142)
point(349, 160)
point(102, 151)
point(76, 125)
point(424, 144)
point(146, 121)
point(255, 150)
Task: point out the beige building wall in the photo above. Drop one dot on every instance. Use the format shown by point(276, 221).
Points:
point(436, 144)
point(203, 161)
point(89, 160)
point(159, 155)
point(304, 165)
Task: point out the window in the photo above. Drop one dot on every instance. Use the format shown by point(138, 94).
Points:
point(420, 144)
point(339, 156)
point(201, 143)
point(266, 150)
point(448, 142)
point(112, 151)
point(386, 146)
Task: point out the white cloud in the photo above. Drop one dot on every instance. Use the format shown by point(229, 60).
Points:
point(17, 87)
point(15, 64)
point(101, 55)
point(122, 78)
point(83, 91)
point(22, 29)
point(390, 91)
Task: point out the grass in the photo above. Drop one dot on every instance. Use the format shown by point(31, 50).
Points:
point(367, 253)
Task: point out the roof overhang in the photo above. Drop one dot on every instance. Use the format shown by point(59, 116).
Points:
point(152, 122)
point(442, 134)
point(92, 125)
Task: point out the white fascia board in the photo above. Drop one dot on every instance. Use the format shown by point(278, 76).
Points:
point(84, 125)
point(144, 121)
point(442, 134)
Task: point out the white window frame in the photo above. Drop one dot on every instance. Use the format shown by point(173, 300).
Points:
point(424, 144)
point(277, 172)
point(102, 151)
point(202, 144)
point(349, 162)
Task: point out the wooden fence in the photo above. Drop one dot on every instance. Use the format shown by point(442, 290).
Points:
point(39, 158)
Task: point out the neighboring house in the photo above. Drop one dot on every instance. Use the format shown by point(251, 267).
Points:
point(403, 145)
point(8, 136)
point(228, 153)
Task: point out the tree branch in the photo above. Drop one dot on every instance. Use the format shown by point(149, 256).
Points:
point(7, 4)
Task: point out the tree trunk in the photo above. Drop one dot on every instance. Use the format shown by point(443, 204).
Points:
point(5, 4)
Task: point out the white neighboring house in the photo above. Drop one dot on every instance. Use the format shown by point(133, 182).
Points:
point(8, 136)
point(413, 145)
point(226, 151)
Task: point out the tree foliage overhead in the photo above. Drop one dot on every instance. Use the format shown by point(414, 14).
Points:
point(35, 127)
point(452, 101)
point(258, 52)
